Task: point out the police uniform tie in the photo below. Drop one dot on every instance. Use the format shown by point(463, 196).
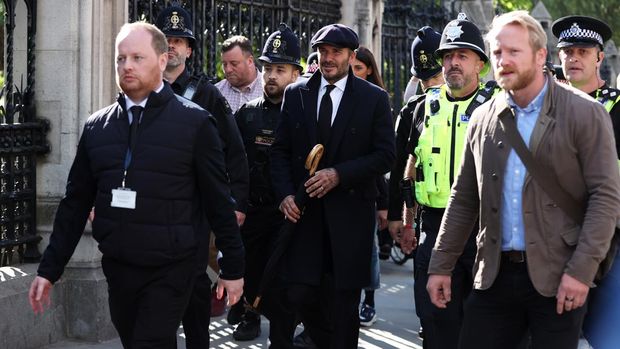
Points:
point(325, 115)
point(136, 113)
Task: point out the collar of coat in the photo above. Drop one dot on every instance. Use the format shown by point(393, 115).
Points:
point(154, 100)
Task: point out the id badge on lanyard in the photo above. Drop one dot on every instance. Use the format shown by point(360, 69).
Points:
point(124, 197)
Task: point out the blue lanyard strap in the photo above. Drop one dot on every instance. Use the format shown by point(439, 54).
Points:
point(136, 112)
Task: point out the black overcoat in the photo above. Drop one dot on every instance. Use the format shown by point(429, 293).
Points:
point(361, 147)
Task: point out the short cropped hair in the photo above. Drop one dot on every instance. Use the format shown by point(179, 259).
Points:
point(159, 41)
point(238, 40)
point(538, 37)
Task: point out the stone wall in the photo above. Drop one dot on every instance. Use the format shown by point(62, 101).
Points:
point(74, 77)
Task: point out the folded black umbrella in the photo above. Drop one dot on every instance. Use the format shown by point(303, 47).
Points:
point(287, 229)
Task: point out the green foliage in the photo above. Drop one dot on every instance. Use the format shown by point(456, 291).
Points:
point(512, 5)
point(606, 10)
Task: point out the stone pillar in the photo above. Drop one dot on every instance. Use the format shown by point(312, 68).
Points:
point(365, 17)
point(74, 78)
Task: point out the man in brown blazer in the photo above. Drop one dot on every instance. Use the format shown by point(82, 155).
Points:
point(535, 264)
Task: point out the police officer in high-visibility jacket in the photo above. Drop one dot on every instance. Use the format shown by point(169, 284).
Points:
point(437, 137)
point(580, 43)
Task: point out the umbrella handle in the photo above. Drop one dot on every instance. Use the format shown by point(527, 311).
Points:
point(312, 161)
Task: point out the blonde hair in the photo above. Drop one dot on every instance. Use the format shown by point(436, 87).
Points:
point(538, 37)
point(159, 41)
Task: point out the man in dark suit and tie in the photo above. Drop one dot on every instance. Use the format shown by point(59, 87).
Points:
point(328, 260)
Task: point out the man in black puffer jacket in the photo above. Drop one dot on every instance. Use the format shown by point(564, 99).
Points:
point(158, 187)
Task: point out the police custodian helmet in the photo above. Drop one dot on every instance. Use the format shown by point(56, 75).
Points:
point(176, 22)
point(461, 33)
point(312, 64)
point(580, 31)
point(282, 46)
point(424, 63)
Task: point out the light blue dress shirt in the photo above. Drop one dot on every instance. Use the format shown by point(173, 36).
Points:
point(513, 229)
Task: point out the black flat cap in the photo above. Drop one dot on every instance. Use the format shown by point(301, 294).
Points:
point(338, 35)
point(580, 31)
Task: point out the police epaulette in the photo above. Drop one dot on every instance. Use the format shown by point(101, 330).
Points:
point(484, 94)
point(413, 100)
point(187, 103)
point(608, 93)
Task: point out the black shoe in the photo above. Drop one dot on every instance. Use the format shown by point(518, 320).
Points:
point(249, 327)
point(303, 340)
point(384, 251)
point(235, 313)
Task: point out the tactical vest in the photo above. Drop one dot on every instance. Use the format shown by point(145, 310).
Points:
point(608, 97)
point(439, 150)
point(258, 123)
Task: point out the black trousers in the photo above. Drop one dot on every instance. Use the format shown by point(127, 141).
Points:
point(198, 314)
point(147, 303)
point(500, 316)
point(329, 315)
point(258, 233)
point(441, 326)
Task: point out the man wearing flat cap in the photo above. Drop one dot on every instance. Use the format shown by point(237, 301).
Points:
point(328, 260)
point(580, 40)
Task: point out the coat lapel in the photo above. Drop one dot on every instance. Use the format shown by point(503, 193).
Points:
point(343, 115)
point(545, 121)
point(309, 97)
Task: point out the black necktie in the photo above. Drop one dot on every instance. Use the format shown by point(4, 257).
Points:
point(136, 113)
point(325, 115)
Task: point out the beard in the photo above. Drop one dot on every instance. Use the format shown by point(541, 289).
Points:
point(456, 81)
point(333, 72)
point(174, 61)
point(274, 91)
point(517, 82)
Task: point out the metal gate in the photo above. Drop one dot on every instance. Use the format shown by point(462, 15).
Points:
point(214, 21)
point(22, 138)
point(401, 21)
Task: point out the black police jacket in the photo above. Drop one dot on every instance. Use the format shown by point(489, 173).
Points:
point(257, 121)
point(210, 98)
point(177, 170)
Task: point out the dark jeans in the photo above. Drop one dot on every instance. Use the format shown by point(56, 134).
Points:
point(500, 316)
point(147, 303)
point(601, 323)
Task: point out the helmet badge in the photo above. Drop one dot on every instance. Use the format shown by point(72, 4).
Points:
point(454, 31)
point(423, 57)
point(174, 19)
point(276, 44)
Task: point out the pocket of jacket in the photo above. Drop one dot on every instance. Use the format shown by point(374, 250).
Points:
point(571, 236)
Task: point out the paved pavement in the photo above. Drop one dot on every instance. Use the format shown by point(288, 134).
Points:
point(396, 326)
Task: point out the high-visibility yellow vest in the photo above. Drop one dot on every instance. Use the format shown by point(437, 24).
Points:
point(440, 146)
point(608, 97)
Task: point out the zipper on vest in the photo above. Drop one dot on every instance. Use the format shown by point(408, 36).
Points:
point(452, 141)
